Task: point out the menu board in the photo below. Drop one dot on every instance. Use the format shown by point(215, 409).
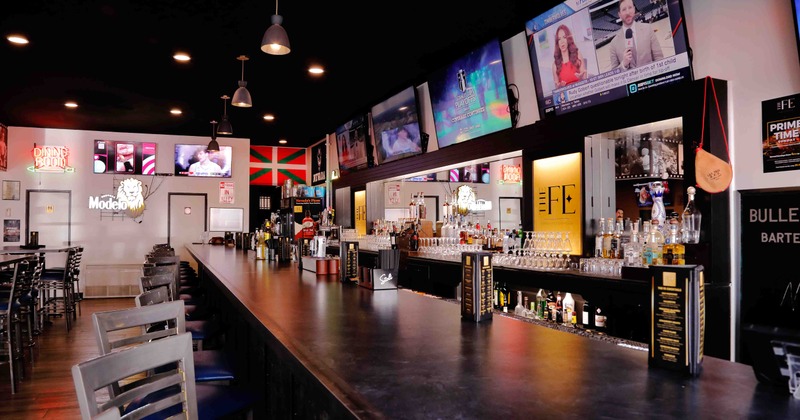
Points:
point(677, 317)
point(348, 254)
point(476, 286)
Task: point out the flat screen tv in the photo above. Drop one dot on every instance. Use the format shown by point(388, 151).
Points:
point(351, 144)
point(124, 157)
point(596, 51)
point(395, 123)
point(195, 160)
point(469, 97)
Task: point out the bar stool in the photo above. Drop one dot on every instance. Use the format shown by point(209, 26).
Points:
point(56, 290)
point(10, 329)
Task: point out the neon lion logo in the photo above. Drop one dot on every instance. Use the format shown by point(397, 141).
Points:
point(130, 193)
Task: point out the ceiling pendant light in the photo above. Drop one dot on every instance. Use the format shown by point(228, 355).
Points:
point(241, 97)
point(275, 40)
point(225, 124)
point(213, 146)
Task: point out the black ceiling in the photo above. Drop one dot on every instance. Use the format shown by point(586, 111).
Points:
point(115, 59)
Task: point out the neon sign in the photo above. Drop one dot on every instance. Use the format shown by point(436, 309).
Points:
point(52, 159)
point(511, 173)
point(129, 198)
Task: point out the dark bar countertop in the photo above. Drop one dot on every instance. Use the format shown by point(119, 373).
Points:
point(399, 354)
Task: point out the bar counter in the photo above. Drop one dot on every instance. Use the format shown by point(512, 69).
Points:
point(399, 354)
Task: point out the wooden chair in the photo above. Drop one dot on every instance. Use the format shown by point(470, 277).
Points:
point(168, 393)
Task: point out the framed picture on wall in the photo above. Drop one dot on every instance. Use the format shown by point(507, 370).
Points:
point(11, 230)
point(11, 190)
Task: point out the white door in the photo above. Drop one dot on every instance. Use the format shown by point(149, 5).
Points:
point(510, 212)
point(49, 212)
point(187, 222)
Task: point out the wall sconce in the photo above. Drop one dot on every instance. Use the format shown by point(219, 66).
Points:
point(334, 174)
point(187, 210)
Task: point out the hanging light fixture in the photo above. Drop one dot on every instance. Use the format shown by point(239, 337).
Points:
point(241, 97)
point(275, 40)
point(225, 124)
point(213, 146)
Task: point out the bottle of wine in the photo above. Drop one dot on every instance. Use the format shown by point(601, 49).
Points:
point(504, 298)
point(600, 319)
point(413, 243)
point(550, 302)
point(587, 316)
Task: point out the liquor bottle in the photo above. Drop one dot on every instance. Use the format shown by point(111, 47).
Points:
point(528, 311)
point(519, 310)
point(412, 208)
point(674, 251)
point(423, 213)
point(504, 297)
point(496, 300)
point(558, 314)
point(598, 238)
point(550, 302)
point(690, 220)
point(569, 310)
point(587, 316)
point(607, 235)
point(616, 237)
point(413, 243)
point(393, 238)
point(653, 250)
point(633, 249)
point(541, 304)
point(600, 319)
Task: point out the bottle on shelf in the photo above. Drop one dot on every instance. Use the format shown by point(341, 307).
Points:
point(633, 249)
point(653, 251)
point(504, 297)
point(519, 310)
point(600, 319)
point(598, 238)
point(674, 250)
point(587, 316)
point(413, 242)
point(528, 311)
point(412, 208)
point(569, 315)
point(422, 209)
point(616, 241)
point(550, 302)
point(690, 220)
point(608, 233)
point(558, 311)
point(540, 304)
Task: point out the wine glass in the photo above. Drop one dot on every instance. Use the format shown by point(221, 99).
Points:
point(567, 248)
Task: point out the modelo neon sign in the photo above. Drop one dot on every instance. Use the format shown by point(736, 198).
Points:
point(50, 159)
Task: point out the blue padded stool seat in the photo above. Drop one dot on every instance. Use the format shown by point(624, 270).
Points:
point(213, 402)
point(212, 365)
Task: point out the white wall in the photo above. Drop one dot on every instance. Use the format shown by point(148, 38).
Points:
point(114, 248)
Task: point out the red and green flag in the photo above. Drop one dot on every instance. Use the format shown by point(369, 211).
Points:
point(273, 165)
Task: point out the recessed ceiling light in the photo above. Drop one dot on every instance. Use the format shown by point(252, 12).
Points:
point(181, 56)
point(17, 39)
point(71, 104)
point(282, 141)
point(402, 108)
point(316, 70)
point(175, 111)
point(269, 117)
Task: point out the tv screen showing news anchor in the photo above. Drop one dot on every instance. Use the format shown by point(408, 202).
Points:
point(588, 53)
point(196, 160)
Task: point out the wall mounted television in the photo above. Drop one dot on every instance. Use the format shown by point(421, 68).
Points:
point(469, 97)
point(395, 123)
point(124, 157)
point(601, 51)
point(351, 144)
point(194, 160)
